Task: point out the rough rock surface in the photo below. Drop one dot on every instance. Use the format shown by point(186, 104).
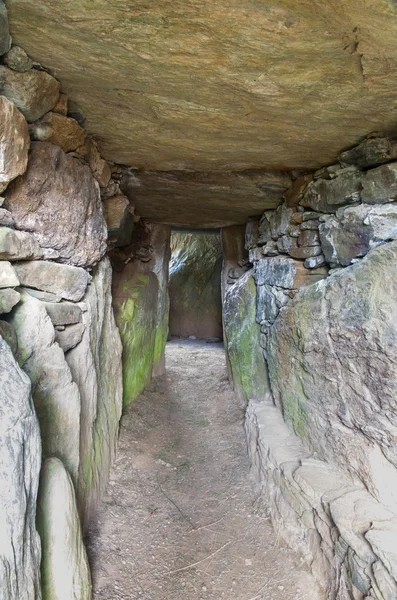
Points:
point(8, 299)
point(18, 245)
point(195, 285)
point(20, 466)
point(119, 220)
point(65, 573)
point(242, 335)
point(14, 142)
point(8, 276)
point(97, 369)
point(34, 92)
point(58, 199)
point(63, 280)
point(332, 364)
point(56, 397)
point(69, 337)
point(59, 130)
point(5, 38)
point(327, 196)
point(17, 60)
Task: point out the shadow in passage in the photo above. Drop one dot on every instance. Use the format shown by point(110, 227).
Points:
point(180, 519)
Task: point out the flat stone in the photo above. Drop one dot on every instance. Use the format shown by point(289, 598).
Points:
point(20, 468)
point(63, 313)
point(119, 220)
point(371, 152)
point(14, 142)
point(44, 296)
point(285, 272)
point(58, 200)
point(380, 185)
point(8, 275)
point(34, 92)
point(64, 564)
point(327, 196)
point(68, 282)
point(305, 251)
point(17, 60)
point(58, 129)
point(69, 337)
point(18, 245)
point(8, 299)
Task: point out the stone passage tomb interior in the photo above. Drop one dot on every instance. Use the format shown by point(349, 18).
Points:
point(198, 300)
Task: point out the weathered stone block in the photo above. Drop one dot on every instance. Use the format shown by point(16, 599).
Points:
point(285, 272)
point(280, 220)
point(18, 245)
point(63, 313)
point(58, 129)
point(58, 199)
point(371, 152)
point(251, 233)
point(327, 196)
point(34, 92)
point(308, 238)
point(14, 142)
point(269, 300)
point(380, 185)
point(295, 193)
point(8, 299)
point(6, 218)
point(65, 572)
point(17, 60)
point(305, 251)
point(8, 276)
point(119, 220)
point(69, 282)
point(20, 466)
point(286, 243)
point(70, 337)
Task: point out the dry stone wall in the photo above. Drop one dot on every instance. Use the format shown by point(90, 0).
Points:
point(322, 444)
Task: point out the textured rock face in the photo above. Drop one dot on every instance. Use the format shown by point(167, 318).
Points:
point(242, 339)
point(56, 397)
point(20, 466)
point(119, 220)
point(18, 245)
point(58, 200)
point(195, 285)
point(65, 574)
point(59, 130)
point(63, 280)
point(96, 367)
point(333, 369)
point(5, 39)
point(14, 142)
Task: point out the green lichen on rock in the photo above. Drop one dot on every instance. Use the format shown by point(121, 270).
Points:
point(242, 334)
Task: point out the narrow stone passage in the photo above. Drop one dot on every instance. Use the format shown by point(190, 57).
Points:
point(181, 519)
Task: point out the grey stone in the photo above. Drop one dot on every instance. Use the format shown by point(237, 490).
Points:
point(8, 299)
point(326, 172)
point(6, 218)
point(286, 244)
point(58, 129)
point(264, 230)
point(327, 196)
point(308, 238)
point(280, 220)
point(7, 332)
point(310, 224)
point(63, 313)
point(34, 92)
point(269, 300)
point(63, 280)
point(44, 296)
point(20, 468)
point(310, 215)
point(285, 272)
point(17, 60)
point(269, 249)
point(332, 361)
point(68, 337)
point(8, 276)
point(305, 251)
point(65, 570)
point(371, 152)
point(315, 261)
point(356, 230)
point(119, 219)
point(5, 38)
point(96, 367)
point(14, 142)
point(55, 395)
point(380, 185)
point(382, 537)
point(58, 200)
point(251, 233)
point(385, 582)
point(18, 245)
point(236, 272)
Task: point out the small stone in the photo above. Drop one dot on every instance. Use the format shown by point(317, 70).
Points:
point(8, 276)
point(57, 129)
point(8, 333)
point(309, 215)
point(327, 196)
point(70, 336)
point(6, 218)
point(63, 313)
point(17, 60)
point(370, 153)
point(326, 172)
point(43, 296)
point(65, 280)
point(315, 261)
point(305, 251)
point(119, 220)
point(61, 107)
point(251, 233)
point(285, 272)
point(308, 237)
point(280, 220)
point(34, 92)
point(8, 299)
point(14, 142)
point(18, 245)
point(295, 193)
point(235, 273)
point(310, 224)
point(286, 243)
point(270, 249)
point(380, 185)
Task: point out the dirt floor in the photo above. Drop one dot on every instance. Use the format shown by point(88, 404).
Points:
point(181, 519)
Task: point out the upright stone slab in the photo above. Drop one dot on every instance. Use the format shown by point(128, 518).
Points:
point(14, 140)
point(242, 337)
point(96, 367)
point(65, 573)
point(162, 252)
point(333, 369)
point(20, 451)
point(56, 397)
point(59, 201)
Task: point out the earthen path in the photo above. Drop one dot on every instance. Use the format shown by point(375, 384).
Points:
point(181, 518)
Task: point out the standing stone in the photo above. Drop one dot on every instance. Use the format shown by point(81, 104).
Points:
point(56, 397)
point(242, 337)
point(65, 573)
point(58, 199)
point(333, 368)
point(63, 280)
point(20, 453)
point(34, 92)
point(57, 129)
point(14, 142)
point(327, 196)
point(96, 367)
point(5, 38)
